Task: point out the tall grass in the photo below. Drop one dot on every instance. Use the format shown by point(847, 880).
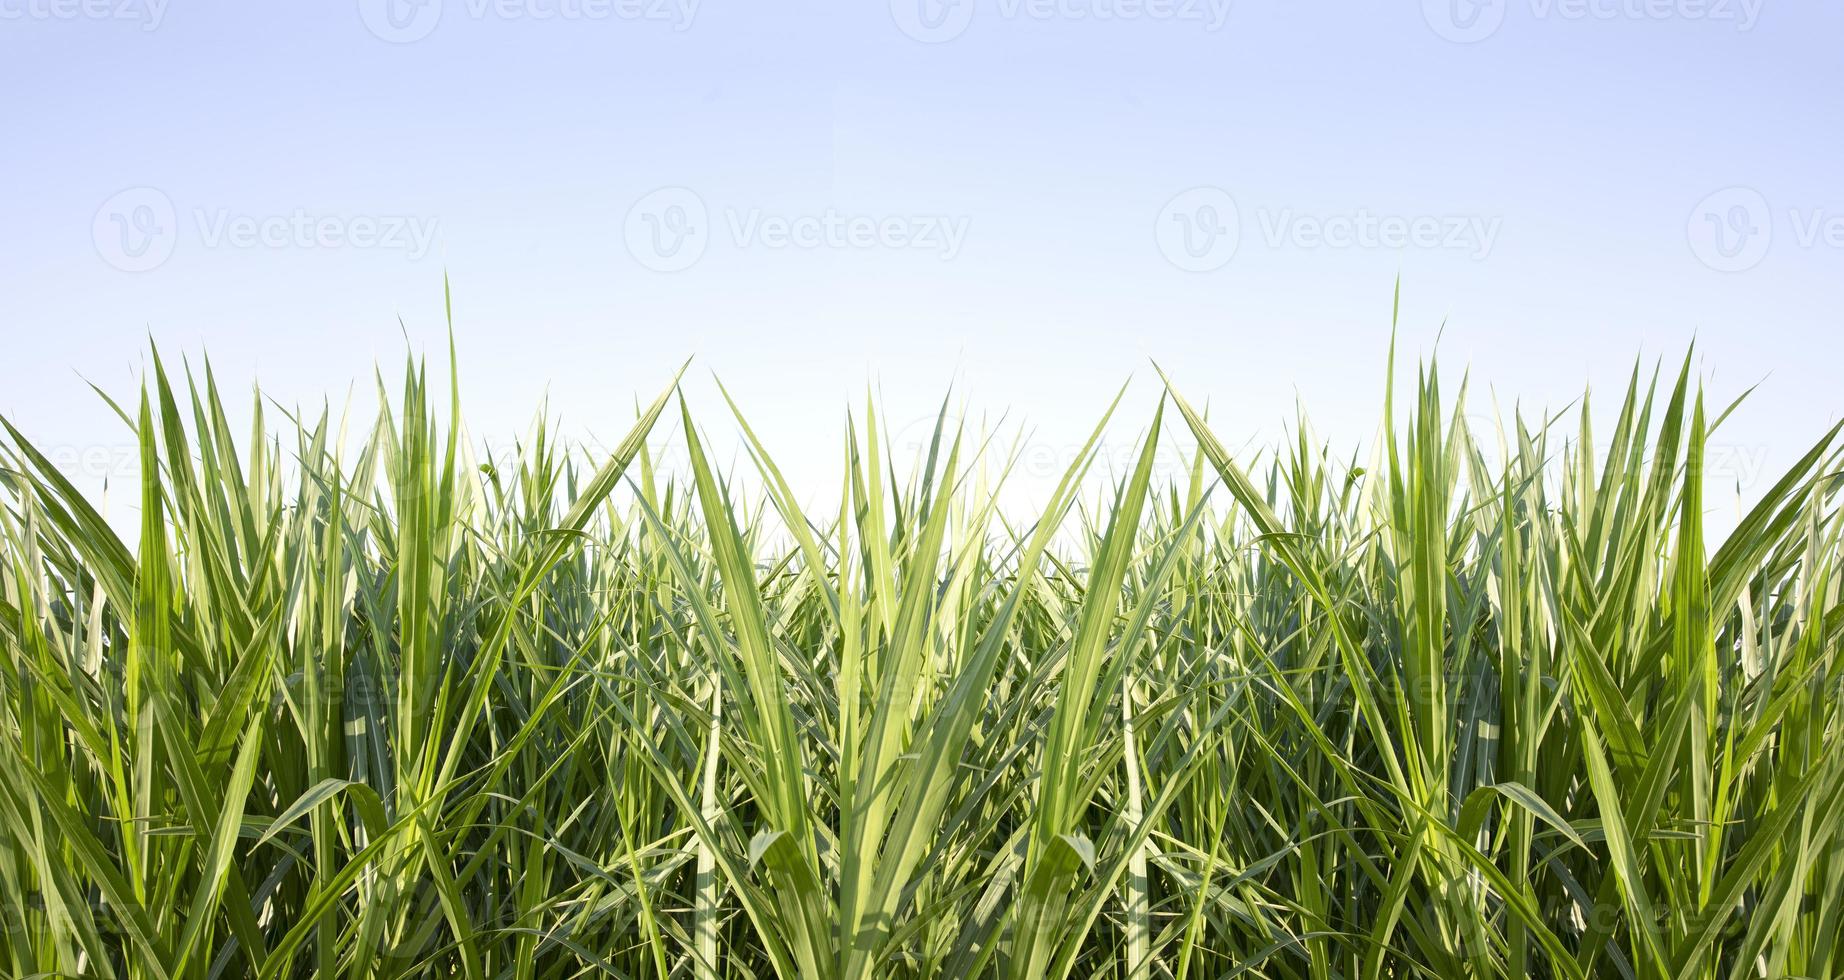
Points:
point(1488, 706)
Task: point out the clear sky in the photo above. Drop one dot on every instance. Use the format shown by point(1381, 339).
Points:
point(1028, 199)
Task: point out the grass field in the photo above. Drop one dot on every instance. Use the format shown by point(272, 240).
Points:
point(1487, 704)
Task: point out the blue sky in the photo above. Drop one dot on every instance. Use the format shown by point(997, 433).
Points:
point(1029, 199)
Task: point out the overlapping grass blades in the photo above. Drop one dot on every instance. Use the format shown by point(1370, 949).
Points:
point(1487, 706)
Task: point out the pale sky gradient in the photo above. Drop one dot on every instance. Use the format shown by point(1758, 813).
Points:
point(989, 193)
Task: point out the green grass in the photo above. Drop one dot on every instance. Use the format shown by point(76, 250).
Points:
point(380, 712)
